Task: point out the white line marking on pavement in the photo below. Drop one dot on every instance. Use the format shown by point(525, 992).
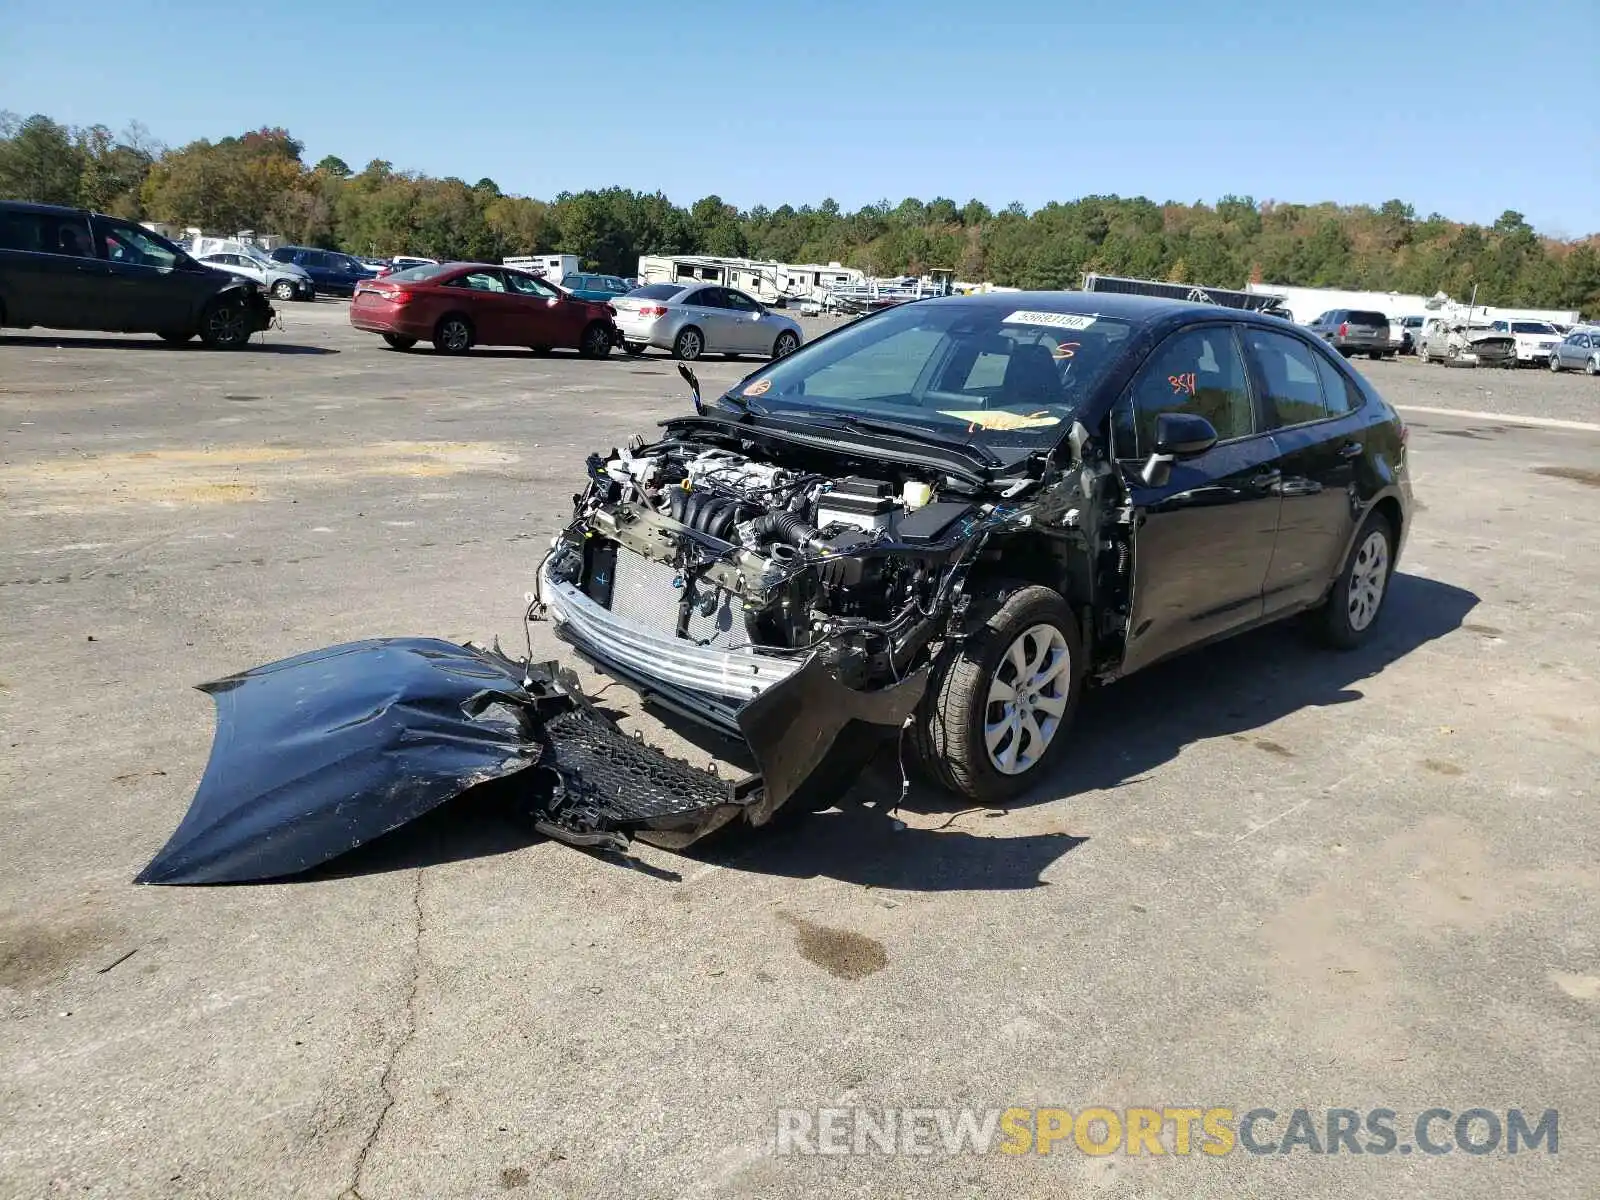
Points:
point(1502, 418)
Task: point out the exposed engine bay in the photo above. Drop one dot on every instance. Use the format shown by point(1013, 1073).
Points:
point(777, 557)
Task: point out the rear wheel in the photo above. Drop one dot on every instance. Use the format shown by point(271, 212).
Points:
point(453, 334)
point(1375, 355)
point(399, 341)
point(596, 341)
point(995, 714)
point(1352, 607)
point(226, 324)
point(689, 345)
point(786, 345)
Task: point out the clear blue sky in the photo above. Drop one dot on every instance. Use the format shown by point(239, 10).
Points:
point(1463, 108)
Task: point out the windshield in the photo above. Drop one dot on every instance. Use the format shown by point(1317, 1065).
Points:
point(1531, 327)
point(973, 373)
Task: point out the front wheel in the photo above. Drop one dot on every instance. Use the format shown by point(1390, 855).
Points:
point(225, 325)
point(1352, 607)
point(1555, 363)
point(995, 712)
point(786, 345)
point(283, 290)
point(453, 335)
point(1592, 367)
point(399, 341)
point(596, 341)
point(689, 345)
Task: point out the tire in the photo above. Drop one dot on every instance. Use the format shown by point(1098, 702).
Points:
point(1375, 355)
point(1348, 616)
point(595, 342)
point(786, 345)
point(957, 744)
point(1592, 367)
point(398, 341)
point(283, 290)
point(453, 334)
point(689, 345)
point(633, 348)
point(1422, 354)
point(225, 324)
point(1555, 364)
point(177, 339)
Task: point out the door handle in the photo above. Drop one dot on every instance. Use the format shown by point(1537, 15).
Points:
point(1350, 450)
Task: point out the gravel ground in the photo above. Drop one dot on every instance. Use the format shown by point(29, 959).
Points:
point(1265, 877)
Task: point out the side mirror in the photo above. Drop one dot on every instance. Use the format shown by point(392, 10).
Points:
point(1183, 435)
point(1178, 435)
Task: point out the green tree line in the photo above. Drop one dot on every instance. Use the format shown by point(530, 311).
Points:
point(259, 181)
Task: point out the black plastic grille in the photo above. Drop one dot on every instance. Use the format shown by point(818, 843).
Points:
point(626, 780)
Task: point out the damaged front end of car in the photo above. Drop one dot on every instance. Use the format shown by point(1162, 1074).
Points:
point(792, 589)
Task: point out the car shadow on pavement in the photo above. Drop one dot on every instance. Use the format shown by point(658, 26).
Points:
point(94, 343)
point(1121, 734)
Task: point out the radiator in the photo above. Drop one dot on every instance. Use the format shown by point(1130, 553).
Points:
point(643, 594)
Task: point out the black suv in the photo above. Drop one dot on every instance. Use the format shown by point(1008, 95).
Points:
point(65, 268)
point(333, 273)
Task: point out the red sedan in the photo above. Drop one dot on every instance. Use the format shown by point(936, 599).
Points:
point(457, 306)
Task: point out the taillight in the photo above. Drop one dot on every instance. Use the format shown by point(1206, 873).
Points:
point(652, 310)
point(1344, 330)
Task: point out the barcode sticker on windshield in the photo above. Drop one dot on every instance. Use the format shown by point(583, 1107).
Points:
point(1052, 319)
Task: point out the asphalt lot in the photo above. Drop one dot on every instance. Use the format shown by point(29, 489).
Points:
point(1267, 876)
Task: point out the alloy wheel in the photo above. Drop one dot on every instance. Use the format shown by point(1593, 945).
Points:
point(226, 324)
point(455, 335)
point(1369, 575)
point(689, 345)
point(1027, 698)
point(785, 347)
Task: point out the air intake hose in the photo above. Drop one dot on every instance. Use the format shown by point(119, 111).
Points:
point(786, 527)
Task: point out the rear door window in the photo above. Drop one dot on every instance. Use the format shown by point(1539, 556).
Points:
point(481, 281)
point(1290, 382)
point(46, 233)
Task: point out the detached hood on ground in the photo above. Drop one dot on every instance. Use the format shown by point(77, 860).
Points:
point(318, 754)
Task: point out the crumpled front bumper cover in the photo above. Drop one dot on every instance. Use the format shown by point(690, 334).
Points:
point(788, 709)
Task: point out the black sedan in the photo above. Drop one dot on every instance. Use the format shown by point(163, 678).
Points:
point(966, 508)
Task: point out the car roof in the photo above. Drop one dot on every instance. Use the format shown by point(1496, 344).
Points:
point(30, 206)
point(1135, 309)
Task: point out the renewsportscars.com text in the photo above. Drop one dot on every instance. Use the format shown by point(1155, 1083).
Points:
point(1214, 1131)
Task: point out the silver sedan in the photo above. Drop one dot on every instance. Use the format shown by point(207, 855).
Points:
point(691, 319)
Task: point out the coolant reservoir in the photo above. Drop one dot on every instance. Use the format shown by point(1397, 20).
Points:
point(916, 493)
